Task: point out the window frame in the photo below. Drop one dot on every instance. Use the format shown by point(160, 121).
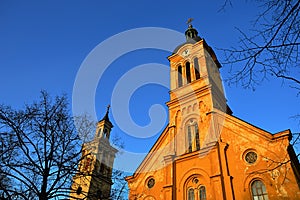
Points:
point(188, 194)
point(199, 191)
point(192, 136)
point(188, 72)
point(259, 194)
point(194, 188)
point(196, 68)
point(179, 76)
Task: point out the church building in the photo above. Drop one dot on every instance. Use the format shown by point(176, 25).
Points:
point(207, 153)
point(93, 180)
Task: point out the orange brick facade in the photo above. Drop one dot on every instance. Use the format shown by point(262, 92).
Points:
point(207, 153)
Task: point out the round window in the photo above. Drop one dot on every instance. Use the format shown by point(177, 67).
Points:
point(251, 157)
point(151, 183)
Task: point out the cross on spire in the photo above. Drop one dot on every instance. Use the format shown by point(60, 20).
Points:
point(189, 21)
point(108, 106)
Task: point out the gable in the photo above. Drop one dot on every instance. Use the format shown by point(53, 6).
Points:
point(245, 129)
point(243, 139)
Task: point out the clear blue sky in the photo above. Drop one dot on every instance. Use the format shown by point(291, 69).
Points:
point(43, 44)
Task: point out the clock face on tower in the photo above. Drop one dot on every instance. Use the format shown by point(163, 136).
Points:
point(186, 52)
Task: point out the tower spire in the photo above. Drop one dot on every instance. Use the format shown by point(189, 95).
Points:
point(95, 178)
point(106, 114)
point(191, 34)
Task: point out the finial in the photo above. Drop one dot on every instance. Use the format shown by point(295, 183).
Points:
point(108, 106)
point(106, 114)
point(191, 34)
point(189, 21)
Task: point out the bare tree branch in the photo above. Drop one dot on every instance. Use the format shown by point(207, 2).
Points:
point(44, 150)
point(271, 49)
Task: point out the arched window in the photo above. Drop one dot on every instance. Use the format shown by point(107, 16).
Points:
point(197, 69)
point(191, 195)
point(188, 72)
point(105, 132)
point(190, 139)
point(193, 136)
point(87, 164)
point(99, 132)
point(194, 188)
point(179, 75)
point(197, 138)
point(202, 193)
point(259, 191)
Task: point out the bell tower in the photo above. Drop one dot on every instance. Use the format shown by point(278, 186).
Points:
point(196, 90)
point(94, 178)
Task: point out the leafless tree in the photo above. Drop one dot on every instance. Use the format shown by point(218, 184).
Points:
point(119, 189)
point(40, 150)
point(271, 48)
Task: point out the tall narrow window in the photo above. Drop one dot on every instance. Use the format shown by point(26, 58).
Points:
point(188, 72)
point(197, 68)
point(105, 133)
point(259, 191)
point(197, 137)
point(193, 136)
point(87, 163)
point(191, 195)
point(202, 193)
point(179, 75)
point(99, 132)
point(190, 139)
